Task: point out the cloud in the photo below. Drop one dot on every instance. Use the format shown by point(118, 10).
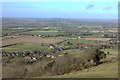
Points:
point(107, 8)
point(89, 6)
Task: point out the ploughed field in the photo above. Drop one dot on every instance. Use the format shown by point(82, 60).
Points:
point(98, 39)
point(30, 39)
point(8, 40)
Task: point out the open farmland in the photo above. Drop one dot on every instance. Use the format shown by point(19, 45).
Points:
point(83, 41)
point(43, 32)
point(22, 47)
point(98, 39)
point(59, 48)
point(30, 39)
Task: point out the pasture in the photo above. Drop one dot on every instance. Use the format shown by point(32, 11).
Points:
point(55, 31)
point(76, 52)
point(82, 41)
point(43, 32)
point(23, 47)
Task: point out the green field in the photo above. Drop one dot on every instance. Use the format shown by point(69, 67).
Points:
point(54, 31)
point(74, 51)
point(74, 42)
point(42, 32)
point(87, 42)
point(23, 46)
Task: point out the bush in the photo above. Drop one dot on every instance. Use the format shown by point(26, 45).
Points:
point(96, 55)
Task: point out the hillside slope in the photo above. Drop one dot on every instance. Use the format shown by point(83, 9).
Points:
point(106, 70)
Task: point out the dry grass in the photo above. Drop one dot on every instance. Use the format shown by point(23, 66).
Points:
point(107, 70)
point(98, 39)
point(30, 39)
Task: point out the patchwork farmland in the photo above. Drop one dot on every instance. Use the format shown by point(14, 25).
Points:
point(65, 50)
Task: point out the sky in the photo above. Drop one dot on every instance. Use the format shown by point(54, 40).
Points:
point(86, 10)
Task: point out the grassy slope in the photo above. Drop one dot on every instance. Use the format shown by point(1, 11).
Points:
point(114, 52)
point(105, 70)
point(108, 70)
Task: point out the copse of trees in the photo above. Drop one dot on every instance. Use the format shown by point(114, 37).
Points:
point(98, 55)
point(69, 63)
point(95, 55)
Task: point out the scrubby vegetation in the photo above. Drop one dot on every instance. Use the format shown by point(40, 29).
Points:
point(57, 66)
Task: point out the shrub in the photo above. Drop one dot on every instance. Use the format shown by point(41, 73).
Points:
point(96, 55)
